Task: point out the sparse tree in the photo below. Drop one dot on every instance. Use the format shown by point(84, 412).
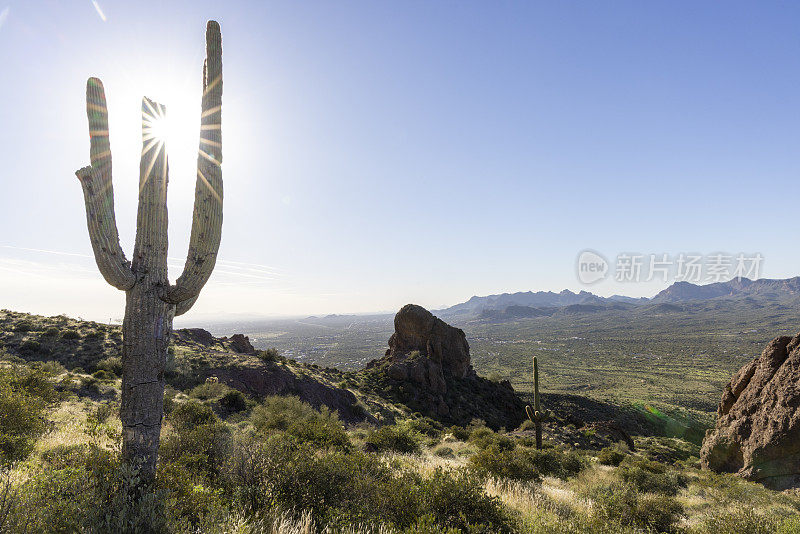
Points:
point(151, 301)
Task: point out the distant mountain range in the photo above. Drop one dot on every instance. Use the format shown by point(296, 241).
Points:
point(533, 304)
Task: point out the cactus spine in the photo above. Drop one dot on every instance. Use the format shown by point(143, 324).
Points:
point(151, 301)
point(536, 414)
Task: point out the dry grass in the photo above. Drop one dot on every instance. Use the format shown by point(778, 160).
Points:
point(286, 524)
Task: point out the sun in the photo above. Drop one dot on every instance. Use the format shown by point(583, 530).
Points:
point(156, 127)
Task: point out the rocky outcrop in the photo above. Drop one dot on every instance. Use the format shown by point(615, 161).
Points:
point(757, 434)
point(195, 335)
point(417, 329)
point(427, 367)
point(241, 343)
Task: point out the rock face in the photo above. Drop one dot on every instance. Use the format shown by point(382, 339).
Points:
point(417, 329)
point(428, 368)
point(757, 434)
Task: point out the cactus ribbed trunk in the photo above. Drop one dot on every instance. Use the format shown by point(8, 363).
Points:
point(151, 302)
point(147, 326)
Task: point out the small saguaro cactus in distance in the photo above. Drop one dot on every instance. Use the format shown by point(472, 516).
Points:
point(151, 301)
point(536, 414)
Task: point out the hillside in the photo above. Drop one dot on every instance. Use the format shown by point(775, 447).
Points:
point(232, 453)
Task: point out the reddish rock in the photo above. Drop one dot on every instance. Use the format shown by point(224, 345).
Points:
point(757, 434)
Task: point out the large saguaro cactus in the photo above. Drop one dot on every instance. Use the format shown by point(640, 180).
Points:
point(151, 302)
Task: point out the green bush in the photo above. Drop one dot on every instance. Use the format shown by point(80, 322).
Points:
point(191, 414)
point(424, 426)
point(30, 346)
point(76, 493)
point(790, 525)
point(51, 331)
point(200, 442)
point(296, 418)
point(394, 438)
point(23, 326)
point(622, 503)
point(95, 334)
point(234, 401)
point(70, 334)
point(269, 355)
point(512, 464)
point(103, 375)
point(610, 456)
point(459, 432)
point(651, 477)
point(112, 364)
point(342, 488)
point(484, 437)
point(456, 498)
point(444, 452)
point(526, 464)
point(741, 521)
point(209, 390)
point(24, 396)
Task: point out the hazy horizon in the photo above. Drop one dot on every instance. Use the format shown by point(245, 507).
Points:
point(380, 154)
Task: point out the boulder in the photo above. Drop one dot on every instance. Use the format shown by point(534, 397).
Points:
point(429, 369)
point(417, 329)
point(757, 434)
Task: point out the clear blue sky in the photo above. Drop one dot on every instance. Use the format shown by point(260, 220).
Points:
point(379, 153)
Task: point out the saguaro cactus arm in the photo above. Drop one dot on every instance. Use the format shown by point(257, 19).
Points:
point(98, 193)
point(207, 216)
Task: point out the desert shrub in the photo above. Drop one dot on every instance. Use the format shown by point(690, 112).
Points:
point(74, 494)
point(739, 521)
point(459, 432)
point(103, 375)
point(94, 334)
point(394, 438)
point(456, 498)
point(169, 400)
point(200, 441)
point(527, 424)
point(50, 368)
point(622, 503)
point(51, 331)
point(651, 477)
point(484, 437)
point(341, 488)
point(23, 326)
point(30, 346)
point(512, 464)
point(112, 364)
point(790, 525)
point(526, 464)
point(209, 390)
point(269, 355)
point(90, 384)
point(70, 334)
point(424, 426)
point(24, 396)
point(296, 418)
point(610, 456)
point(444, 452)
point(234, 401)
